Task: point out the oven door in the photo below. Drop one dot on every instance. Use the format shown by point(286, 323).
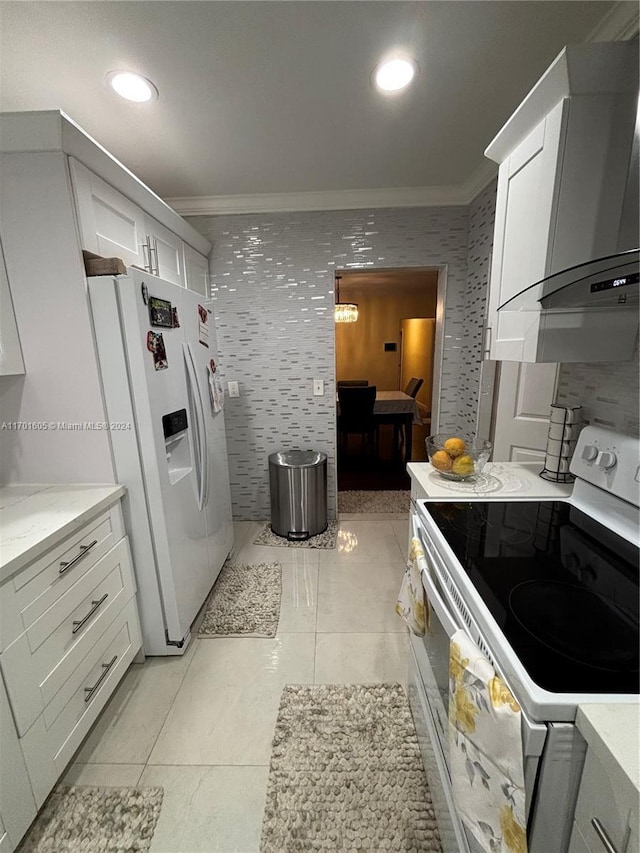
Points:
point(430, 681)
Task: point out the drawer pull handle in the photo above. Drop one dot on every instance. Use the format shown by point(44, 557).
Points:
point(64, 567)
point(601, 832)
point(105, 667)
point(78, 624)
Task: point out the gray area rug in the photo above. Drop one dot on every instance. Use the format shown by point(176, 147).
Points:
point(78, 819)
point(322, 540)
point(346, 773)
point(245, 601)
point(362, 501)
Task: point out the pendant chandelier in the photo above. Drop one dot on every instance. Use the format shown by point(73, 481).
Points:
point(345, 312)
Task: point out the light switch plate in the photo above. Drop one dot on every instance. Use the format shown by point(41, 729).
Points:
point(234, 390)
point(318, 387)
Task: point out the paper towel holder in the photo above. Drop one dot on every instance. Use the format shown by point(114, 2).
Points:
point(564, 426)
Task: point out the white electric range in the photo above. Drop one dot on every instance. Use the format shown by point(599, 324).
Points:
point(548, 591)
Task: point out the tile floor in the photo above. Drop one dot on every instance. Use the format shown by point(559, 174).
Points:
point(201, 725)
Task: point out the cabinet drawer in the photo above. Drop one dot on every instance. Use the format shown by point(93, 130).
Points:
point(615, 806)
point(28, 595)
point(50, 743)
point(37, 664)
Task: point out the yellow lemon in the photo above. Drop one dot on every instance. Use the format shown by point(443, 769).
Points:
point(441, 461)
point(463, 465)
point(454, 446)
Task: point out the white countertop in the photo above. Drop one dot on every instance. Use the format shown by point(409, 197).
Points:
point(499, 480)
point(613, 732)
point(34, 517)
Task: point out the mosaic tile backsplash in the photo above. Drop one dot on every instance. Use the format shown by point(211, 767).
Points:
point(272, 290)
point(482, 211)
point(608, 393)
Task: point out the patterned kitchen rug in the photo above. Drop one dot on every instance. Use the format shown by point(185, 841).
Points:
point(244, 602)
point(346, 773)
point(362, 501)
point(79, 819)
point(322, 540)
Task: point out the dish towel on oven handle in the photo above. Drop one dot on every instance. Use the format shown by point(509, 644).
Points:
point(485, 747)
point(411, 604)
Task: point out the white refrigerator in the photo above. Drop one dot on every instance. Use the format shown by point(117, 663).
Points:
point(157, 350)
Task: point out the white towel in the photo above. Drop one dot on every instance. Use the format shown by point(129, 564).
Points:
point(411, 598)
point(485, 746)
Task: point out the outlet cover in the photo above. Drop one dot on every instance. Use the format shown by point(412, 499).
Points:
point(234, 389)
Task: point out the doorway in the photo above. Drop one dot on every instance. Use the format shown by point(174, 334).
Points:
point(397, 336)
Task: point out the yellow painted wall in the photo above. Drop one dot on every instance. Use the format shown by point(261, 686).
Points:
point(360, 346)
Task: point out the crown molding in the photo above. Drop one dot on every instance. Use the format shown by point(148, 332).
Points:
point(486, 172)
point(215, 205)
point(620, 24)
point(446, 196)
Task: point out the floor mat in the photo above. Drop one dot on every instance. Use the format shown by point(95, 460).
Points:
point(245, 601)
point(79, 819)
point(322, 540)
point(361, 501)
point(346, 773)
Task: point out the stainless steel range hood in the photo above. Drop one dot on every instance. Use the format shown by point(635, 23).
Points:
point(586, 313)
point(602, 283)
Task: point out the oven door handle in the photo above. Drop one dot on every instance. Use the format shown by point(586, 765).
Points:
point(435, 600)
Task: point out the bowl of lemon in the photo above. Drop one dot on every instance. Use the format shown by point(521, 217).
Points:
point(457, 457)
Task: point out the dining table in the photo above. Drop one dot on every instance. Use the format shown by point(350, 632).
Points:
point(399, 409)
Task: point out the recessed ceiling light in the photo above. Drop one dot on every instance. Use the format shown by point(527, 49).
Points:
point(133, 87)
point(395, 74)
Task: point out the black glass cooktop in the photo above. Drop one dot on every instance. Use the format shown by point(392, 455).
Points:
point(563, 588)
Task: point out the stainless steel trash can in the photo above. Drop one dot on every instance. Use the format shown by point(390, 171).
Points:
point(298, 483)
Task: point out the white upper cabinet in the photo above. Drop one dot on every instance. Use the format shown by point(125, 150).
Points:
point(563, 164)
point(110, 225)
point(11, 362)
point(196, 269)
point(165, 252)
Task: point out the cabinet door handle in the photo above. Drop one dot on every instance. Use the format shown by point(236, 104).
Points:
point(487, 340)
point(84, 549)
point(90, 691)
point(146, 256)
point(602, 834)
point(153, 250)
point(77, 625)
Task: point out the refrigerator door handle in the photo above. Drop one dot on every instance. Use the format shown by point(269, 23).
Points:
point(201, 430)
point(196, 423)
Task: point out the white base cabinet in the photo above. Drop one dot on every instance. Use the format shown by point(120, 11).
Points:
point(69, 630)
point(606, 813)
point(17, 804)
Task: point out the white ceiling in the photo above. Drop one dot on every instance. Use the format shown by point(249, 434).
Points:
point(275, 97)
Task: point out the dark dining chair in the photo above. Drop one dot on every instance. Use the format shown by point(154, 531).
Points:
point(356, 404)
point(351, 383)
point(413, 386)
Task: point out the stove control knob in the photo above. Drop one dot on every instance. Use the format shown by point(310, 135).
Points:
point(607, 460)
point(590, 452)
